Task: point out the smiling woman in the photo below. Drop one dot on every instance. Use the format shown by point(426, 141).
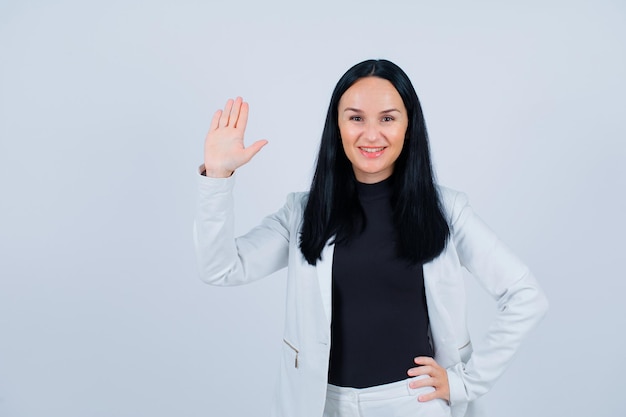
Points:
point(375, 319)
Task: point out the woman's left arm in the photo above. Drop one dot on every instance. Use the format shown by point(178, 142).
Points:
point(521, 303)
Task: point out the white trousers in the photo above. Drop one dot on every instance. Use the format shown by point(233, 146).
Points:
point(396, 399)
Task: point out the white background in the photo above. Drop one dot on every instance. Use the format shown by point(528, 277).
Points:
point(103, 111)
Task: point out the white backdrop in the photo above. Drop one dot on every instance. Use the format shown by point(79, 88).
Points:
point(103, 111)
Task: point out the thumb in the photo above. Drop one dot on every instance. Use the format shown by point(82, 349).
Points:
point(253, 149)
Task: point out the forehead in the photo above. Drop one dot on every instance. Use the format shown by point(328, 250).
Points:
point(371, 92)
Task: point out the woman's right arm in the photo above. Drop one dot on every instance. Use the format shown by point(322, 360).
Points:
point(222, 259)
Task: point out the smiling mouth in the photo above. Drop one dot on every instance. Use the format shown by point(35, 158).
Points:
point(372, 150)
point(372, 153)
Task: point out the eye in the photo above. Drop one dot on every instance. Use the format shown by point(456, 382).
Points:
point(387, 119)
point(356, 118)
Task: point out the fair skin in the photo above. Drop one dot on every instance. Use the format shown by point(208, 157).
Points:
point(224, 150)
point(437, 378)
point(372, 123)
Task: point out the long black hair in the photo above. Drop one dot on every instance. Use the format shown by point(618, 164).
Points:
point(333, 209)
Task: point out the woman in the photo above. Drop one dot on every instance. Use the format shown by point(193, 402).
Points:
point(375, 318)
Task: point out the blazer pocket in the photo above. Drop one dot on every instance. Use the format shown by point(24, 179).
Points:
point(465, 351)
point(294, 351)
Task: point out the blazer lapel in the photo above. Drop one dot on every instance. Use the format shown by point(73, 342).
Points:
point(325, 279)
point(440, 322)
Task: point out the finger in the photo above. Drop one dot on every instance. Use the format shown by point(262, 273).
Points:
point(430, 396)
point(226, 113)
point(234, 112)
point(422, 382)
point(216, 120)
point(242, 121)
point(419, 370)
point(253, 149)
point(424, 360)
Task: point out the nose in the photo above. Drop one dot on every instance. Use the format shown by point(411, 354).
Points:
point(371, 131)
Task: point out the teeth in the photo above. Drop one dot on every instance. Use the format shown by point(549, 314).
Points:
point(372, 150)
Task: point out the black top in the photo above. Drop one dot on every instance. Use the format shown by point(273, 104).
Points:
point(379, 315)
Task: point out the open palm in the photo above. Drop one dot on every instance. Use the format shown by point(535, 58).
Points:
point(224, 150)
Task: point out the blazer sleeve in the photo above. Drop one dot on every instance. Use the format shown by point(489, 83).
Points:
point(226, 260)
point(521, 303)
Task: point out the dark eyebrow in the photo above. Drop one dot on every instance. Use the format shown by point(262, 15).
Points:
point(357, 110)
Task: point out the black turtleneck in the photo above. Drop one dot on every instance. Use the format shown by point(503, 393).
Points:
point(379, 315)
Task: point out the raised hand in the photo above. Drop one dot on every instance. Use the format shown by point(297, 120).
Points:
point(224, 150)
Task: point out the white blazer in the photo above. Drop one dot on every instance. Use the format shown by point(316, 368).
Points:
point(273, 245)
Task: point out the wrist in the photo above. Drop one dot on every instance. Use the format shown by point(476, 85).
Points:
point(215, 173)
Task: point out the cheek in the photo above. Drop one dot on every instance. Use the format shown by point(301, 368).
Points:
point(400, 136)
point(344, 143)
point(348, 137)
point(345, 132)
